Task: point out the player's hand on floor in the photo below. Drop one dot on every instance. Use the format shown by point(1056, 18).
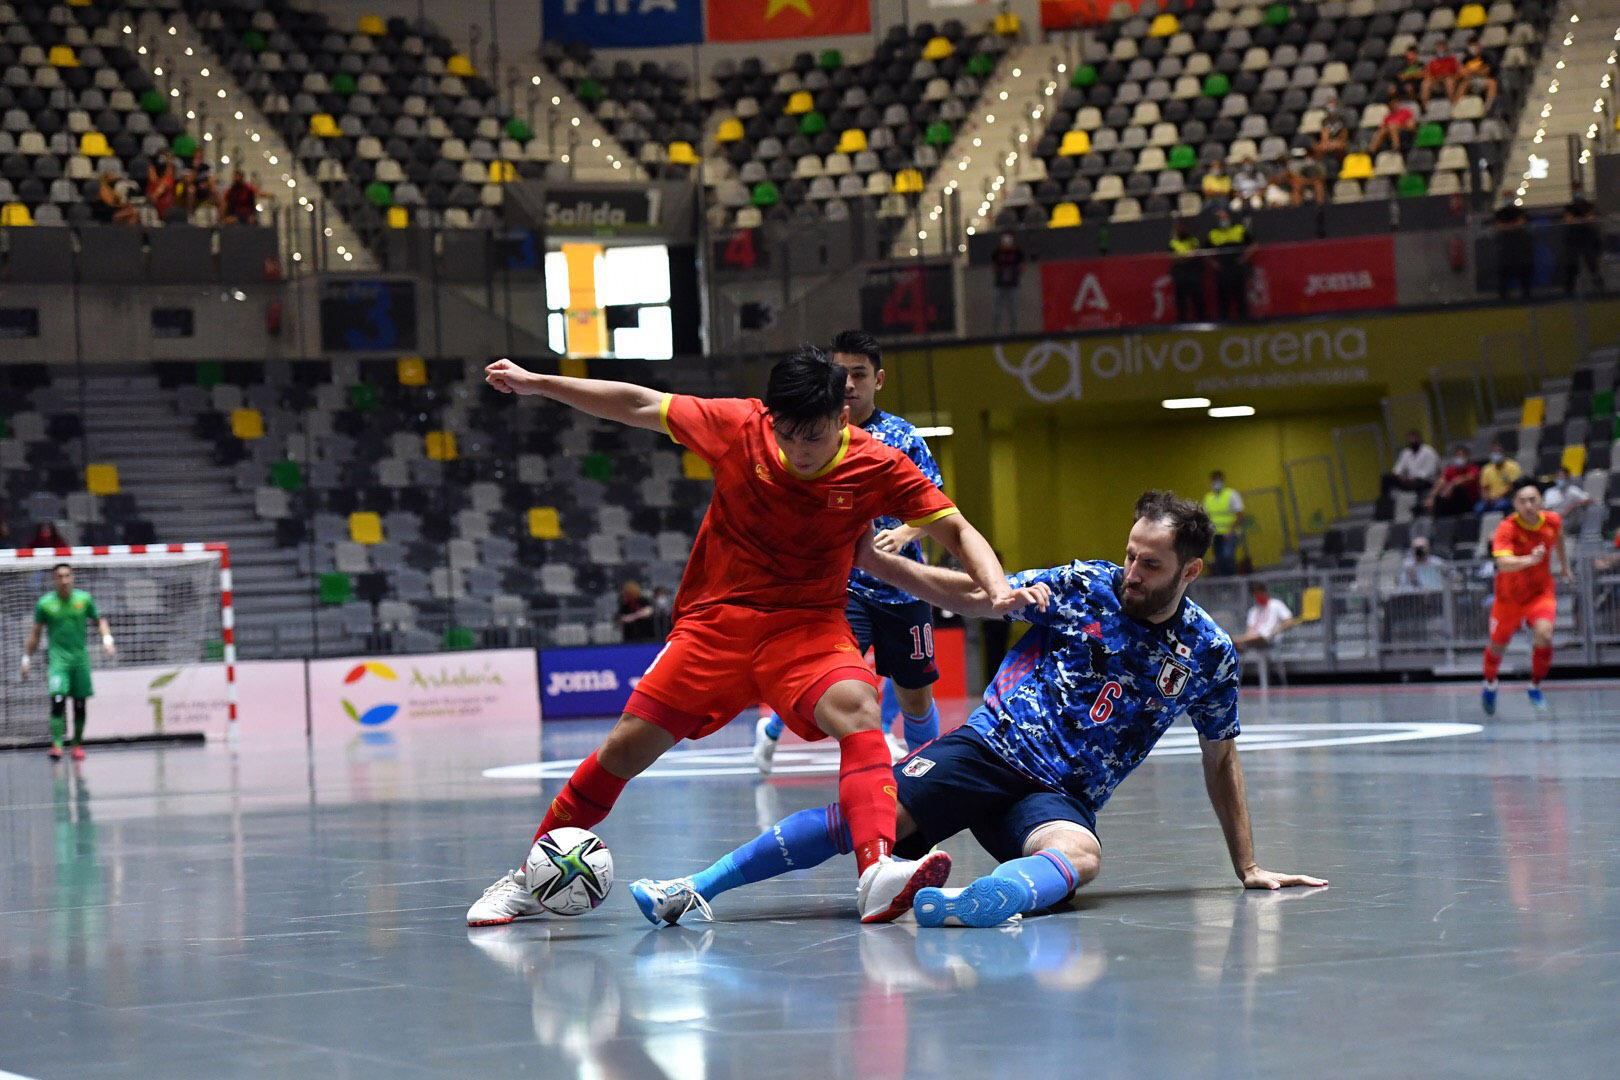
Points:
point(1257, 878)
point(1038, 595)
point(508, 378)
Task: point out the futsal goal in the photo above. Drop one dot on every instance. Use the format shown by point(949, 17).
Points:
point(168, 606)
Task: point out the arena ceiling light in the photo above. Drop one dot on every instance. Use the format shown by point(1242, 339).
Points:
point(1221, 412)
point(1185, 403)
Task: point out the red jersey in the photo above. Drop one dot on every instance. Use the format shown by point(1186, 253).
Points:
point(1522, 587)
point(773, 539)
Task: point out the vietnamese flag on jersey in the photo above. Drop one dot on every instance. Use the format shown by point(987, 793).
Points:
point(753, 20)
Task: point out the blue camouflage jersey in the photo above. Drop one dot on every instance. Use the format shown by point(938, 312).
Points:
point(891, 430)
point(1081, 699)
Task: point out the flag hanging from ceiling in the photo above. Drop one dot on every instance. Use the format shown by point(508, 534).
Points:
point(754, 20)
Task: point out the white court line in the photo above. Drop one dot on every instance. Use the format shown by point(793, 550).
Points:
point(13, 1076)
point(815, 759)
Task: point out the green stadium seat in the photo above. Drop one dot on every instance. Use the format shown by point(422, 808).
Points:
point(1084, 76)
point(1216, 85)
point(1411, 184)
point(336, 589)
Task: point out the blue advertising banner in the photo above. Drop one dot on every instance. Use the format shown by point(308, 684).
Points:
point(623, 23)
point(591, 681)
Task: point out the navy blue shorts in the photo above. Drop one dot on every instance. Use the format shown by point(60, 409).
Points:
point(958, 782)
point(901, 636)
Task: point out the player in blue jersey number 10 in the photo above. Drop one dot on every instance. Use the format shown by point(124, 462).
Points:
point(1114, 658)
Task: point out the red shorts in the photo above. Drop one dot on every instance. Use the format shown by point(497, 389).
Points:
point(1507, 617)
point(722, 659)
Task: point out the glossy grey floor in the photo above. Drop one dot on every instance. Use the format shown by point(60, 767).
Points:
point(281, 909)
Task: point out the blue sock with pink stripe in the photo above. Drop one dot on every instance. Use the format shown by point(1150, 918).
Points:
point(1048, 875)
point(797, 842)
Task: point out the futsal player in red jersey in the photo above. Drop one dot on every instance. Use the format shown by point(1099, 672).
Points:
point(1523, 547)
point(760, 612)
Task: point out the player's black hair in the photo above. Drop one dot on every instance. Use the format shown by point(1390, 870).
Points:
point(858, 343)
point(1522, 483)
point(1190, 522)
point(60, 565)
point(805, 390)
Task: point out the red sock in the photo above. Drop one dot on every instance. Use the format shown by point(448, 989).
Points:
point(585, 800)
point(1493, 664)
point(866, 795)
point(1540, 663)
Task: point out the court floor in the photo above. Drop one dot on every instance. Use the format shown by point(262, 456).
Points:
point(281, 909)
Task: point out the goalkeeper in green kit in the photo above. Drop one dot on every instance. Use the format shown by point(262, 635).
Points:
point(65, 613)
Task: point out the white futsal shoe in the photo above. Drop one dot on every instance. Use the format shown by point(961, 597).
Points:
point(897, 747)
point(889, 885)
point(505, 901)
point(667, 901)
point(764, 747)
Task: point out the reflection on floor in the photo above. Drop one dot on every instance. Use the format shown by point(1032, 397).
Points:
point(279, 909)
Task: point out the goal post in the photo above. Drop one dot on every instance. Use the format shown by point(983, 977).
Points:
point(168, 606)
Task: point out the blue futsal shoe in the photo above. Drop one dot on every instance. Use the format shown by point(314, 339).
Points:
point(667, 901)
point(1538, 701)
point(1487, 698)
point(989, 901)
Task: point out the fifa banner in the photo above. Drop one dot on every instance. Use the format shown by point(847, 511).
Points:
point(757, 20)
point(400, 693)
point(623, 24)
point(1354, 274)
point(593, 681)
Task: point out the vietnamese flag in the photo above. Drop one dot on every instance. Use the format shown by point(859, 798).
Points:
point(753, 20)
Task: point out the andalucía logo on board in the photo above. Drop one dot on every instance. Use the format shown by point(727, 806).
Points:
point(377, 714)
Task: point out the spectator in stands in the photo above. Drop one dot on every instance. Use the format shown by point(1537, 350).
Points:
point(1416, 466)
point(636, 615)
point(1268, 617)
point(1304, 172)
point(1421, 571)
point(1569, 500)
point(1007, 262)
point(1187, 273)
point(1334, 138)
point(197, 191)
point(1583, 239)
point(1279, 184)
point(1410, 79)
point(1444, 73)
point(1515, 260)
point(241, 201)
point(1216, 186)
point(161, 183)
point(1225, 508)
point(46, 536)
point(1497, 480)
point(1398, 125)
point(112, 206)
point(1478, 73)
point(1248, 187)
point(1457, 489)
point(1234, 249)
point(1606, 562)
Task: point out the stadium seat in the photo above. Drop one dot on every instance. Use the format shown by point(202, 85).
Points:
point(545, 523)
point(852, 141)
point(247, 423)
point(1075, 143)
point(15, 213)
point(93, 144)
point(411, 371)
point(1534, 411)
point(1471, 16)
point(460, 66)
point(1356, 166)
point(1064, 215)
point(694, 467)
point(439, 445)
point(365, 527)
point(101, 479)
point(730, 131)
point(372, 26)
point(1574, 459)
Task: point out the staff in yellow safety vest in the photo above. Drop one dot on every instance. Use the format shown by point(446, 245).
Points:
point(1187, 273)
point(1234, 247)
point(1225, 509)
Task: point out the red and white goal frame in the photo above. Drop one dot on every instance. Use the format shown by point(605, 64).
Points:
point(227, 614)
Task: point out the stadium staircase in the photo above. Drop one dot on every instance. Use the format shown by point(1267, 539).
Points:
point(1580, 61)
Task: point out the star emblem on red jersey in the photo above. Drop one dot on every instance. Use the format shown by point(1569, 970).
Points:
point(840, 499)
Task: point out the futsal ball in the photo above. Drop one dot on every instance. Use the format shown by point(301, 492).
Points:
point(569, 871)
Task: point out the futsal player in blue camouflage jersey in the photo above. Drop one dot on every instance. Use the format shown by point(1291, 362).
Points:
point(896, 626)
point(1115, 655)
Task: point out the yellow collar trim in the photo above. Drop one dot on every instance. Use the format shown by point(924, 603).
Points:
point(1541, 519)
point(838, 459)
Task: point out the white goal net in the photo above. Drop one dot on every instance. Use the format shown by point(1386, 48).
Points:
point(167, 606)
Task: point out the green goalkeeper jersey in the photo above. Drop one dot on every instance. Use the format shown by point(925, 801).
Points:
point(66, 622)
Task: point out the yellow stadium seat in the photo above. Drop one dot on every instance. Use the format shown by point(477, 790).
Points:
point(1164, 26)
point(572, 366)
point(365, 527)
point(412, 371)
point(681, 153)
point(1535, 410)
point(801, 102)
point(1075, 143)
point(501, 172)
point(731, 130)
point(1064, 214)
point(398, 217)
point(247, 423)
point(322, 125)
point(1574, 459)
point(94, 144)
point(101, 479)
point(440, 445)
point(695, 468)
point(908, 182)
point(15, 213)
point(1007, 25)
point(1356, 167)
point(544, 523)
point(372, 26)
point(78, 3)
point(1470, 16)
point(938, 48)
point(1310, 604)
point(62, 56)
point(460, 66)
point(852, 141)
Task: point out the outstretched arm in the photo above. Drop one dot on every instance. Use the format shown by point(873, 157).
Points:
point(977, 557)
point(1223, 779)
point(948, 589)
point(624, 403)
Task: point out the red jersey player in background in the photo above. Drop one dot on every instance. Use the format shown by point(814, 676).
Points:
point(760, 612)
point(1523, 547)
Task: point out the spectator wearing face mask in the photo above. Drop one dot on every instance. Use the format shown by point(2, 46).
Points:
point(1225, 509)
point(1268, 617)
point(1416, 466)
point(1568, 499)
point(1422, 571)
point(1457, 489)
point(1496, 482)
